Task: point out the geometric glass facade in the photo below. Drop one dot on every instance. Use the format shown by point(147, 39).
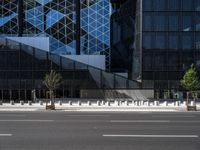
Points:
point(67, 23)
point(170, 40)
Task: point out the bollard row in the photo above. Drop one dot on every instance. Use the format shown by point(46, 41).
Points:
point(116, 103)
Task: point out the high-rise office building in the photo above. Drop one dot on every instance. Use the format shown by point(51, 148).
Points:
point(167, 42)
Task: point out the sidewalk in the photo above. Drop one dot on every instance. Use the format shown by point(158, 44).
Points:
point(84, 108)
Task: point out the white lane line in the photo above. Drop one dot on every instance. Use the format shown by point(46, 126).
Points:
point(8, 115)
point(5, 134)
point(151, 136)
point(173, 116)
point(87, 115)
point(26, 120)
point(140, 121)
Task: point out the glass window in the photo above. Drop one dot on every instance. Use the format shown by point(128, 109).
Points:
point(197, 22)
point(147, 23)
point(187, 5)
point(147, 5)
point(187, 42)
point(173, 41)
point(187, 22)
point(160, 41)
point(173, 23)
point(174, 5)
point(147, 40)
point(159, 5)
point(197, 41)
point(160, 23)
point(197, 5)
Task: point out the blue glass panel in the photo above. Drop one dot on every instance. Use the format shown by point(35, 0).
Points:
point(52, 17)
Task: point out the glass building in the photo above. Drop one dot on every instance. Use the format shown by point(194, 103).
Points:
point(39, 35)
point(167, 41)
point(122, 37)
point(73, 26)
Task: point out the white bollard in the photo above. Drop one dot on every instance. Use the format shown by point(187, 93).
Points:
point(98, 103)
point(60, 103)
point(156, 103)
point(177, 103)
point(117, 103)
point(137, 103)
point(165, 103)
point(29, 103)
point(103, 103)
point(12, 103)
point(192, 103)
point(89, 103)
point(79, 103)
point(40, 102)
point(108, 103)
point(21, 102)
point(70, 103)
point(148, 103)
point(184, 103)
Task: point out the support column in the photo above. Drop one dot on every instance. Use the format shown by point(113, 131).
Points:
point(78, 27)
point(20, 17)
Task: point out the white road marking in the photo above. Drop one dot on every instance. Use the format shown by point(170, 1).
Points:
point(142, 121)
point(5, 134)
point(151, 136)
point(9, 115)
point(26, 120)
point(88, 115)
point(173, 116)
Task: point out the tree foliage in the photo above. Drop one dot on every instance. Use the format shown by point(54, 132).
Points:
point(190, 80)
point(52, 81)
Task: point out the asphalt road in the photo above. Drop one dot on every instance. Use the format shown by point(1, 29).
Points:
point(99, 131)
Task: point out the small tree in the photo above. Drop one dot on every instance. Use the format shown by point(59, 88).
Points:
point(52, 81)
point(190, 80)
